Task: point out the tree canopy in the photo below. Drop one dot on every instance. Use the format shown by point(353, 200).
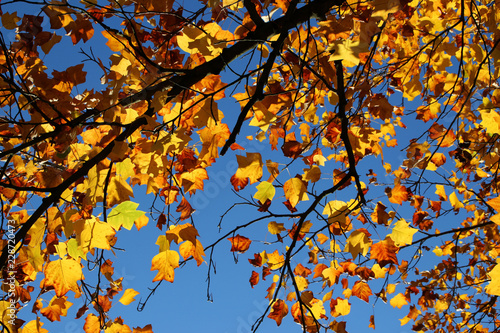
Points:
point(364, 136)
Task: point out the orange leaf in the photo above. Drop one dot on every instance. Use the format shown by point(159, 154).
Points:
point(254, 279)
point(188, 249)
point(239, 243)
point(397, 194)
point(362, 290)
point(57, 307)
point(384, 252)
point(185, 209)
point(280, 310)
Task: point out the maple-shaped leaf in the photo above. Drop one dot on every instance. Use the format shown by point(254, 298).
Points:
point(295, 191)
point(279, 310)
point(384, 252)
point(188, 249)
point(164, 262)
point(183, 232)
point(398, 194)
point(95, 234)
point(249, 169)
point(34, 326)
point(341, 307)
point(63, 275)
point(92, 324)
point(493, 288)
point(362, 290)
point(399, 301)
point(359, 242)
point(128, 296)
point(57, 307)
point(275, 228)
point(402, 233)
point(118, 191)
point(275, 260)
point(265, 191)
point(239, 243)
point(124, 215)
point(146, 329)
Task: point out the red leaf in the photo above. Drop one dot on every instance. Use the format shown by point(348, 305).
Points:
point(239, 243)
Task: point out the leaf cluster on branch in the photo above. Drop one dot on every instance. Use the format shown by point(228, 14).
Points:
point(377, 124)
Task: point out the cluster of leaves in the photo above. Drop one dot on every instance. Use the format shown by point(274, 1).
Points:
point(326, 85)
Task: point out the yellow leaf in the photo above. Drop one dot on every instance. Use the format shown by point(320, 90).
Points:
point(398, 301)
point(455, 203)
point(188, 249)
point(358, 243)
point(120, 65)
point(57, 307)
point(165, 262)
point(249, 168)
point(128, 296)
point(402, 233)
point(441, 193)
point(275, 228)
point(95, 234)
point(336, 211)
point(343, 307)
point(63, 275)
point(490, 121)
point(118, 191)
point(312, 174)
point(34, 326)
point(265, 191)
point(348, 50)
point(493, 288)
point(275, 260)
point(295, 191)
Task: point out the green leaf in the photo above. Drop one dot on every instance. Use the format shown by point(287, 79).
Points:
point(124, 215)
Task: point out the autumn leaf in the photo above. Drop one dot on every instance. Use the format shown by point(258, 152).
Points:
point(165, 262)
point(275, 228)
point(358, 242)
point(239, 243)
point(34, 326)
point(384, 252)
point(362, 290)
point(398, 194)
point(249, 169)
point(295, 191)
point(275, 260)
point(188, 249)
point(265, 191)
point(279, 310)
point(182, 232)
point(128, 296)
point(63, 275)
point(402, 233)
point(398, 301)
point(254, 279)
point(57, 307)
